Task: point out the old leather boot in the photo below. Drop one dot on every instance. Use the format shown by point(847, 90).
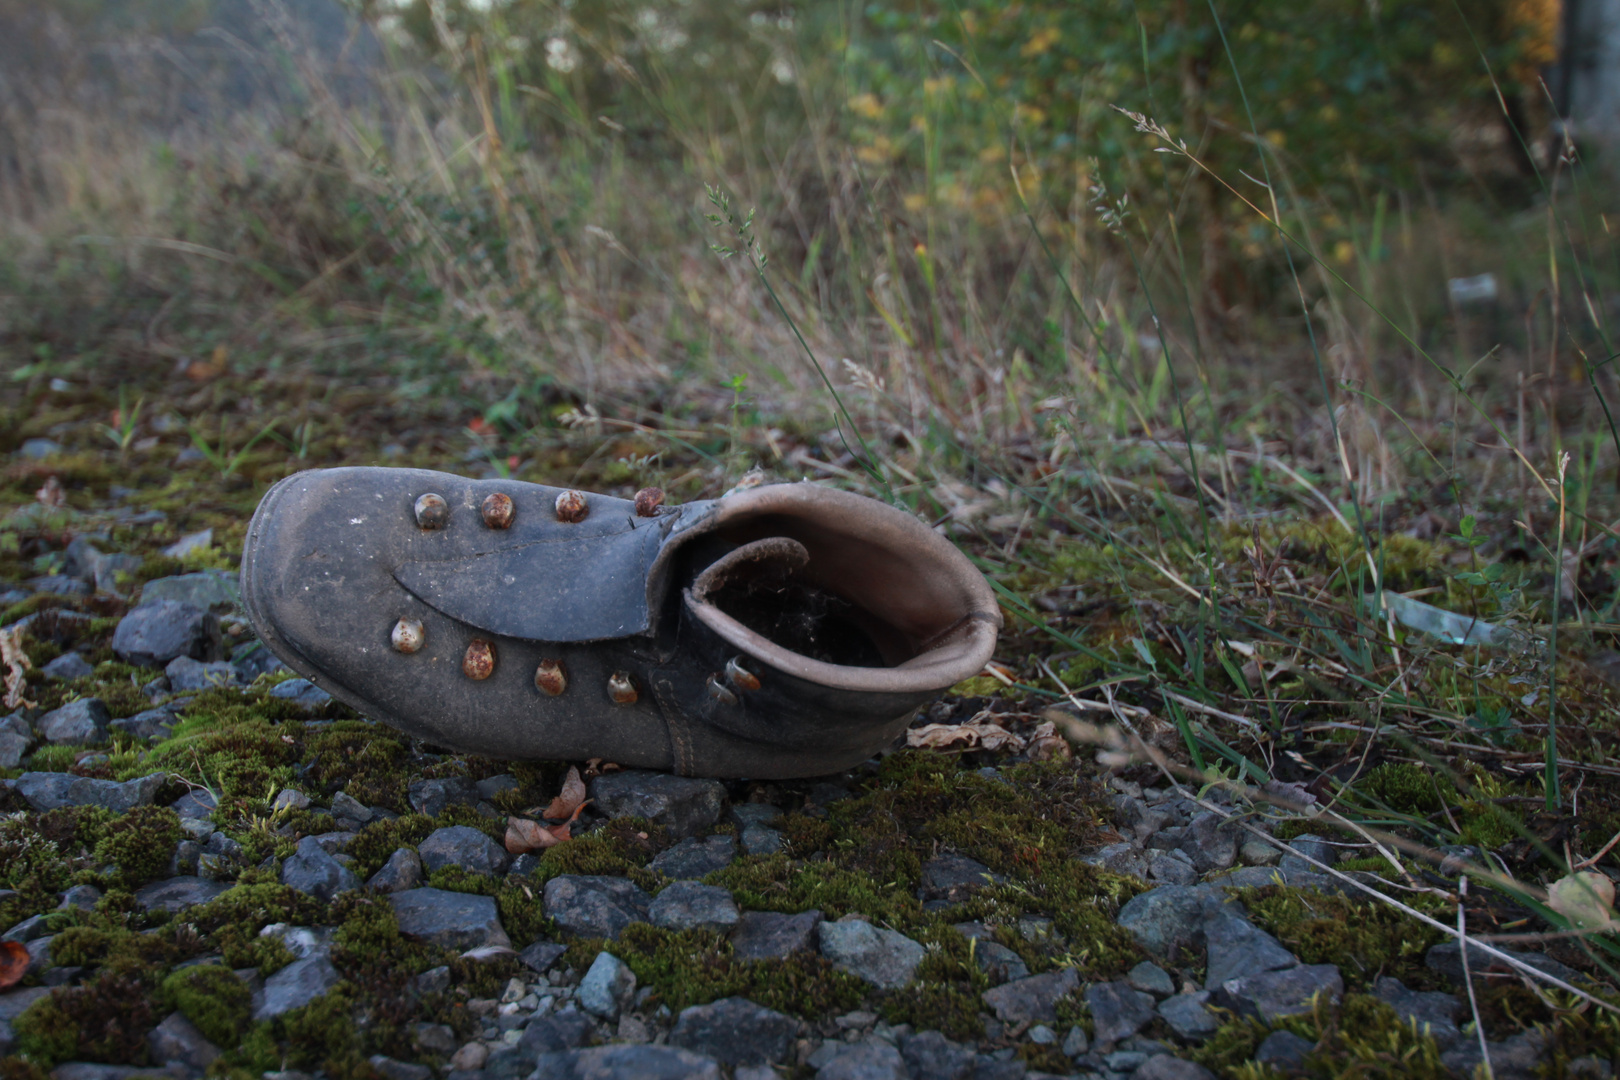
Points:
point(780, 631)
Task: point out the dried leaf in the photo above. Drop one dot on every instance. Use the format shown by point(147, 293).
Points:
point(14, 961)
point(52, 494)
point(524, 836)
point(17, 664)
point(568, 802)
point(1586, 899)
point(984, 736)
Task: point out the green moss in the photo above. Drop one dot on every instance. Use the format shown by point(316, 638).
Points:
point(1049, 1059)
point(1364, 940)
point(18, 1068)
point(234, 918)
point(1407, 788)
point(213, 998)
point(105, 1020)
point(26, 855)
point(372, 845)
point(229, 746)
point(323, 1035)
point(370, 762)
point(140, 843)
point(599, 852)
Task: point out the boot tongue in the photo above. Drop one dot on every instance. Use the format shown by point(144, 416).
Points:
point(770, 561)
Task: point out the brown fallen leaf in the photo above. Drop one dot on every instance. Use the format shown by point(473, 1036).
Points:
point(524, 836)
point(14, 961)
point(16, 662)
point(51, 494)
point(569, 800)
point(983, 735)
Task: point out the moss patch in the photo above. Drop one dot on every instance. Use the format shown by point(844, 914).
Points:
point(1365, 940)
point(214, 999)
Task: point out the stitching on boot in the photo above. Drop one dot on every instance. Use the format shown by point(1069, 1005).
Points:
point(680, 737)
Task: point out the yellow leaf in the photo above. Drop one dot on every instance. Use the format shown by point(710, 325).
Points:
point(1586, 899)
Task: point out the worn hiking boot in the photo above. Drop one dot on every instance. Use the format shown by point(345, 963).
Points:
point(781, 631)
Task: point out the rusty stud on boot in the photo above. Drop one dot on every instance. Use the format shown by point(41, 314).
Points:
point(720, 692)
point(479, 662)
point(648, 501)
point(572, 507)
point(741, 677)
point(408, 635)
point(622, 688)
point(498, 511)
point(550, 678)
point(432, 512)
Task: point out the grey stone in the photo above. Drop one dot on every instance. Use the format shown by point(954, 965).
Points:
point(562, 1030)
point(622, 1062)
point(82, 721)
point(208, 590)
point(83, 897)
point(295, 986)
point(1276, 994)
point(686, 806)
point(59, 585)
point(289, 799)
point(542, 955)
point(253, 659)
point(696, 857)
point(87, 1070)
point(687, 905)
point(1124, 857)
point(1514, 1058)
point(197, 541)
point(70, 665)
point(932, 1055)
point(1238, 948)
point(435, 1038)
point(393, 1069)
point(1211, 842)
point(1034, 998)
point(885, 958)
point(735, 1031)
point(1117, 1011)
point(177, 1041)
point(588, 905)
point(865, 1061)
point(301, 941)
point(462, 846)
point(187, 676)
point(309, 698)
point(1447, 960)
point(311, 870)
point(38, 449)
point(52, 791)
point(1284, 1051)
point(115, 572)
point(30, 929)
point(997, 961)
point(430, 797)
point(448, 919)
point(15, 1003)
point(402, 871)
point(198, 803)
point(13, 748)
point(178, 893)
point(1438, 1011)
point(333, 842)
point(147, 725)
point(953, 878)
point(607, 988)
point(153, 634)
point(1171, 867)
point(1256, 852)
point(1190, 1016)
point(432, 981)
point(754, 813)
point(1310, 846)
point(1151, 978)
point(769, 935)
point(1169, 1067)
point(762, 840)
point(987, 1067)
point(1168, 919)
point(81, 556)
point(1076, 1042)
point(1124, 1061)
point(17, 724)
point(491, 786)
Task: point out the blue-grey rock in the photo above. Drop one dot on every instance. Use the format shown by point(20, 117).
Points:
point(625, 1062)
point(13, 748)
point(1517, 1057)
point(448, 919)
point(295, 986)
point(1150, 978)
point(198, 803)
point(754, 813)
point(1117, 1011)
point(997, 961)
point(177, 1042)
point(1170, 1067)
point(82, 721)
point(16, 724)
point(932, 1055)
point(210, 590)
point(1237, 948)
point(953, 878)
point(311, 870)
point(178, 893)
point(885, 958)
point(588, 905)
point(38, 449)
point(402, 871)
point(430, 797)
point(696, 857)
point(52, 791)
point(463, 846)
point(491, 786)
point(308, 697)
point(191, 542)
point(1438, 1012)
point(1447, 960)
point(1311, 846)
point(1211, 842)
point(770, 935)
point(607, 988)
point(1284, 1051)
point(14, 1003)
point(70, 665)
point(1168, 919)
point(565, 1029)
point(114, 573)
point(762, 840)
point(1033, 999)
point(153, 634)
point(83, 897)
point(735, 1031)
point(59, 585)
point(149, 725)
point(865, 1061)
point(1273, 995)
point(254, 659)
point(393, 1069)
point(1171, 867)
point(1190, 1016)
point(30, 929)
point(687, 905)
point(188, 676)
point(542, 955)
point(684, 805)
